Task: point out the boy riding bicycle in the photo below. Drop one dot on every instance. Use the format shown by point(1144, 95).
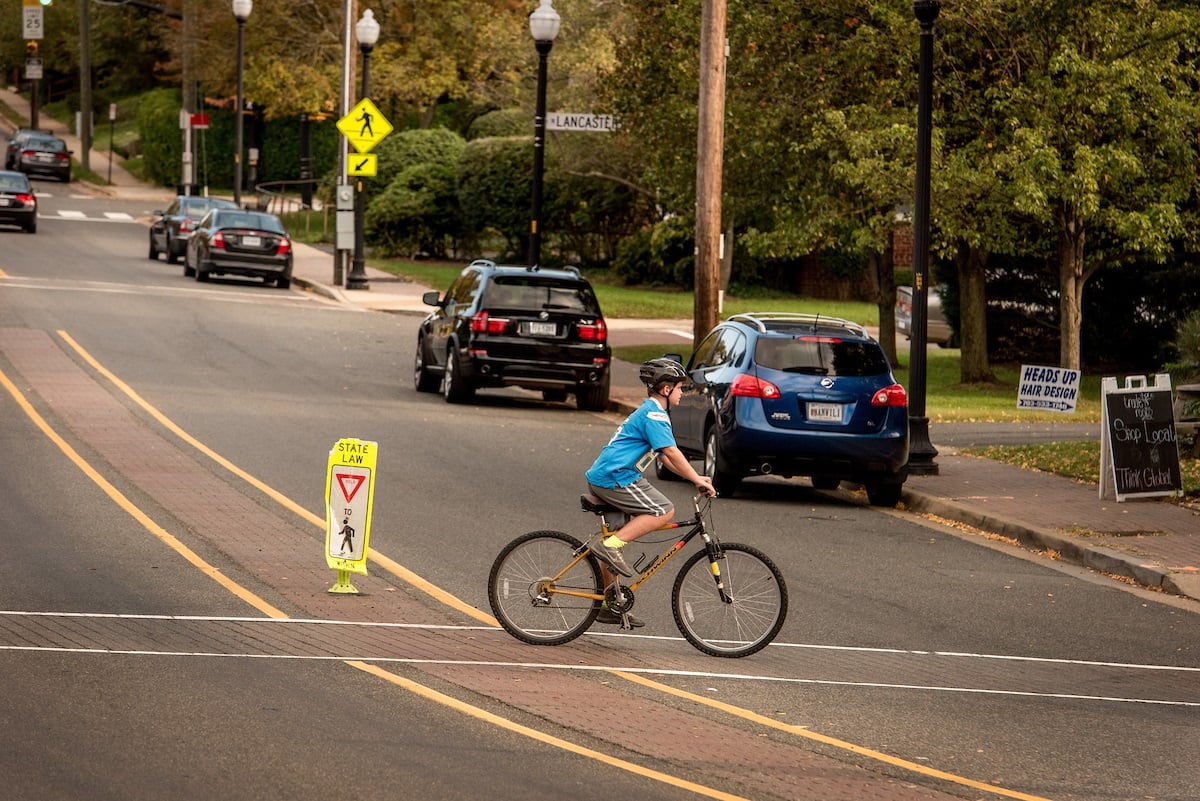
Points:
point(616, 475)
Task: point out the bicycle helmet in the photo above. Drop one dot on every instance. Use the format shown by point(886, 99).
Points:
point(662, 371)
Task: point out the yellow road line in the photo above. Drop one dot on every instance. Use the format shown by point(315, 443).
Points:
point(801, 731)
point(383, 561)
point(119, 498)
point(450, 600)
point(266, 608)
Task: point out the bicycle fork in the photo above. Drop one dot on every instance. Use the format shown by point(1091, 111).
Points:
point(714, 564)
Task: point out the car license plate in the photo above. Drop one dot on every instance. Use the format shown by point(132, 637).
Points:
point(252, 241)
point(5, 201)
point(541, 329)
point(825, 412)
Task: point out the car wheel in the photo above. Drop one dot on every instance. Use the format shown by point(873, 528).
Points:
point(423, 380)
point(201, 273)
point(725, 482)
point(454, 388)
point(172, 256)
point(884, 493)
point(32, 227)
point(153, 250)
point(664, 473)
point(284, 282)
point(554, 395)
point(825, 482)
point(188, 269)
point(593, 397)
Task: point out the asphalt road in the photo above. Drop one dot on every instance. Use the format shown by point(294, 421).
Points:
point(906, 638)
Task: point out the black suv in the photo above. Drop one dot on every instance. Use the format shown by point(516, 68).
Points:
point(528, 327)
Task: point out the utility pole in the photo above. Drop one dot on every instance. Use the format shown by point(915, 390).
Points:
point(85, 87)
point(710, 143)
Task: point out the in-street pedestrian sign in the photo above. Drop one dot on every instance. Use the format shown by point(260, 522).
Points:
point(363, 165)
point(349, 488)
point(365, 126)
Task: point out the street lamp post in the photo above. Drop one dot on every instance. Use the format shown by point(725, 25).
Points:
point(920, 450)
point(543, 24)
point(367, 33)
point(241, 12)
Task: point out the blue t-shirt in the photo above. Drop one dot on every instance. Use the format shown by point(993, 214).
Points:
point(632, 447)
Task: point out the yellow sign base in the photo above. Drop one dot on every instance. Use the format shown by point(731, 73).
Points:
point(343, 585)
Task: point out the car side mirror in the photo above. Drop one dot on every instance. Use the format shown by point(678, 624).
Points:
point(431, 298)
point(675, 357)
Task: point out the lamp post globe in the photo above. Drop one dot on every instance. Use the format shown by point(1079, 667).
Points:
point(544, 23)
point(241, 12)
point(366, 31)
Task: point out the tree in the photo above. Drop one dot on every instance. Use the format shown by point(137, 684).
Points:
point(1103, 116)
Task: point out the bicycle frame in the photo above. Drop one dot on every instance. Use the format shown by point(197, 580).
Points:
point(697, 523)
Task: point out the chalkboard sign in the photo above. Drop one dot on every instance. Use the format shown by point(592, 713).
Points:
point(1139, 454)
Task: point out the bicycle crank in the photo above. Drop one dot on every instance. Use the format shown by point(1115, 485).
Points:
point(618, 598)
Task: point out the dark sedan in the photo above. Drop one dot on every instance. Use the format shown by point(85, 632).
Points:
point(18, 204)
point(239, 242)
point(15, 140)
point(169, 233)
point(40, 154)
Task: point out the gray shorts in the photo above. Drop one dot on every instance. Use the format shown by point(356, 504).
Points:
point(639, 498)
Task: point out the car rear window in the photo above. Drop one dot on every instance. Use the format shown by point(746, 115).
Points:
point(523, 293)
point(50, 145)
point(821, 355)
point(14, 183)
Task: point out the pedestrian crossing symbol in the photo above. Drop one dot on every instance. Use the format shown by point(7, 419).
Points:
point(349, 488)
point(365, 126)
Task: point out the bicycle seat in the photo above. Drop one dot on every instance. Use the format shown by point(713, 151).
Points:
point(591, 503)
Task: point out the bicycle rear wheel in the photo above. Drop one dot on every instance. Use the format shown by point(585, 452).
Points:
point(748, 619)
point(521, 584)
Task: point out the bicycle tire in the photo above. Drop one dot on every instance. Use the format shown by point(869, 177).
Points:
point(743, 626)
point(515, 581)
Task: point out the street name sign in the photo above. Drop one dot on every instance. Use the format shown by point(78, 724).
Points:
point(567, 121)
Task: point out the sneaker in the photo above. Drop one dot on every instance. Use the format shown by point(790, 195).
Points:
point(613, 619)
point(609, 556)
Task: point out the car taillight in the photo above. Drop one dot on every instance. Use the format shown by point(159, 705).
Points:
point(890, 396)
point(285, 246)
point(748, 386)
point(186, 225)
point(27, 200)
point(218, 241)
point(592, 332)
point(822, 340)
point(484, 323)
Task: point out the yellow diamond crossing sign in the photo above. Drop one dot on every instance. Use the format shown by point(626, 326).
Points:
point(365, 126)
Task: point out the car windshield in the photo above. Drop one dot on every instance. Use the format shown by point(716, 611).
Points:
point(820, 355)
point(527, 294)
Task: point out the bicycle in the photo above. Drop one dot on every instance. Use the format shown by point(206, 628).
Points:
point(729, 599)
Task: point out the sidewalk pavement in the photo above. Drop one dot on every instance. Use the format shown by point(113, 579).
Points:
point(1155, 542)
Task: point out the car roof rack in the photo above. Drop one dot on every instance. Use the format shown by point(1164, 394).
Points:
point(760, 319)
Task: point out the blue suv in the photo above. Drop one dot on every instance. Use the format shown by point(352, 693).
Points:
point(796, 395)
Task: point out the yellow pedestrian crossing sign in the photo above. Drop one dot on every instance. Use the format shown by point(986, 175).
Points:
point(363, 165)
point(349, 489)
point(365, 126)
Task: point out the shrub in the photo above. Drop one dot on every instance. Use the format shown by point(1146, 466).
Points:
point(417, 213)
point(494, 187)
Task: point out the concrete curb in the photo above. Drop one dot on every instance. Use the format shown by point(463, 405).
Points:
point(1069, 549)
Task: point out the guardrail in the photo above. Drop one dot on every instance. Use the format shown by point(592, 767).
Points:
point(281, 197)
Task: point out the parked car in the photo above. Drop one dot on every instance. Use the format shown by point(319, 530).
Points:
point(18, 204)
point(794, 395)
point(528, 327)
point(169, 233)
point(236, 241)
point(937, 329)
point(13, 150)
point(43, 154)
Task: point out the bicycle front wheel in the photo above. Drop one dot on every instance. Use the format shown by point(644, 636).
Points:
point(746, 618)
point(534, 599)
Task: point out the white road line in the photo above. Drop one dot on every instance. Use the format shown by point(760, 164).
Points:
point(608, 669)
